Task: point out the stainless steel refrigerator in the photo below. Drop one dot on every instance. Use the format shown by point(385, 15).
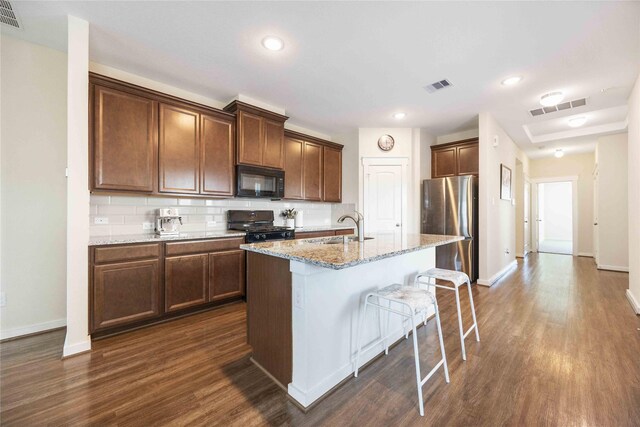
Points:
point(450, 206)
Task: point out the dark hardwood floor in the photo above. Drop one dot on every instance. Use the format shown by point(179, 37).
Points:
point(560, 347)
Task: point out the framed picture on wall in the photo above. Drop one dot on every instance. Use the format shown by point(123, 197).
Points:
point(505, 182)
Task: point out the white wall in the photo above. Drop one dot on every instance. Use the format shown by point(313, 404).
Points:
point(634, 196)
point(580, 165)
point(613, 228)
point(518, 191)
point(556, 210)
point(33, 231)
point(407, 145)
point(496, 217)
point(457, 136)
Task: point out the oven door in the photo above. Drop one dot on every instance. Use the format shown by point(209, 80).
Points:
point(259, 182)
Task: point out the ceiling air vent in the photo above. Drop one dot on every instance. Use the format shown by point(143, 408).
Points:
point(442, 84)
point(559, 107)
point(7, 15)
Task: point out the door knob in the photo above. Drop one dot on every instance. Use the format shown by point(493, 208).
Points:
point(595, 223)
point(397, 225)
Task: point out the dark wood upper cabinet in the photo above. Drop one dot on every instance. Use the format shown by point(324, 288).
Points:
point(186, 281)
point(260, 135)
point(455, 158)
point(125, 292)
point(312, 171)
point(468, 157)
point(153, 143)
point(293, 179)
point(124, 140)
point(226, 275)
point(312, 168)
point(179, 150)
point(217, 143)
point(332, 174)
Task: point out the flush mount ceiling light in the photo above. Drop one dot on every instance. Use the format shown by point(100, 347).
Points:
point(273, 43)
point(559, 153)
point(399, 116)
point(510, 81)
point(551, 98)
point(576, 122)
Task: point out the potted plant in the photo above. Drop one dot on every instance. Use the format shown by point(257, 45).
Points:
point(289, 216)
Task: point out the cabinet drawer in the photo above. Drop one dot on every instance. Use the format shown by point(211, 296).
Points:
point(313, 234)
point(126, 253)
point(201, 246)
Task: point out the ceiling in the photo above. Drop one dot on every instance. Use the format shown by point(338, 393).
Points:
point(353, 64)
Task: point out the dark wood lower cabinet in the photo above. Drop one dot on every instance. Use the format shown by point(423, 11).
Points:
point(185, 282)
point(142, 283)
point(226, 275)
point(125, 292)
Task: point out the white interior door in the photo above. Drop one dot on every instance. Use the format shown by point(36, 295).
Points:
point(383, 189)
point(596, 235)
point(527, 214)
point(555, 217)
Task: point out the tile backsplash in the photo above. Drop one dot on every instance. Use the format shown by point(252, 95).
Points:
point(128, 214)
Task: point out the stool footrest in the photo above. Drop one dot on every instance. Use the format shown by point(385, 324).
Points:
point(433, 371)
point(469, 331)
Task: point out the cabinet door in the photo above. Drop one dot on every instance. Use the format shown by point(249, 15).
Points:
point(273, 156)
point(124, 141)
point(185, 280)
point(179, 153)
point(443, 162)
point(312, 171)
point(226, 275)
point(468, 158)
point(293, 180)
point(332, 175)
point(250, 138)
point(124, 293)
point(216, 157)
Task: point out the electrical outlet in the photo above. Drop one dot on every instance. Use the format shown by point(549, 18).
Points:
point(101, 220)
point(3, 299)
point(211, 223)
point(298, 297)
point(148, 226)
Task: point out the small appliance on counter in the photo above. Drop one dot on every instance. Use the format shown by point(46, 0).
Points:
point(168, 222)
point(258, 226)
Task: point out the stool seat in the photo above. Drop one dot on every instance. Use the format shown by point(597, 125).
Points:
point(416, 298)
point(458, 278)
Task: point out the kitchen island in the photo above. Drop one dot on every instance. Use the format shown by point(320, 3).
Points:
point(304, 298)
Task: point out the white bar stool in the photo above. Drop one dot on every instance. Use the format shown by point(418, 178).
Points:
point(457, 279)
point(417, 301)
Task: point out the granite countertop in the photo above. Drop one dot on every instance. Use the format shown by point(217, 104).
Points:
point(339, 255)
point(324, 228)
point(142, 238)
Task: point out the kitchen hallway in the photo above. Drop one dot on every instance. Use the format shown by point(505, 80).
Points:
point(559, 346)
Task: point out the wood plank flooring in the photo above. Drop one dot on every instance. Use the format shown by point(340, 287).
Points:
point(560, 346)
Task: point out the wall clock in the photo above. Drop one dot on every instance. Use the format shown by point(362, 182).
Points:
point(386, 142)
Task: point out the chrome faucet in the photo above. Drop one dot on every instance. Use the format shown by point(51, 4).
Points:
point(359, 223)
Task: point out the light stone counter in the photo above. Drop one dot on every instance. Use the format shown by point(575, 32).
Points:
point(331, 252)
point(143, 238)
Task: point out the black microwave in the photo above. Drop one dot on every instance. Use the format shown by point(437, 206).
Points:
point(252, 181)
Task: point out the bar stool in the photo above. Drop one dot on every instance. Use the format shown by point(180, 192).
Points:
point(417, 301)
point(457, 279)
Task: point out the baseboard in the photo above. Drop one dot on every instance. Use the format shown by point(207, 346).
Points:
point(493, 279)
point(613, 268)
point(75, 349)
point(585, 254)
point(633, 301)
point(32, 329)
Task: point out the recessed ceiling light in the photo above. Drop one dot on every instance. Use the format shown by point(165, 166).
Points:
point(273, 43)
point(551, 98)
point(559, 153)
point(399, 116)
point(576, 122)
point(510, 81)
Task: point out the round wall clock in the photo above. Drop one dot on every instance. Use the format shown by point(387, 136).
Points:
point(386, 142)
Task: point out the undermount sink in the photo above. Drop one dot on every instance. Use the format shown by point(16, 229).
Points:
point(341, 240)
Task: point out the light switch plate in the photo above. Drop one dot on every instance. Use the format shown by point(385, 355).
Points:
point(3, 299)
point(101, 220)
point(147, 226)
point(211, 223)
